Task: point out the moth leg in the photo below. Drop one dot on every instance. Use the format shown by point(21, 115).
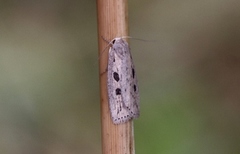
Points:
point(106, 70)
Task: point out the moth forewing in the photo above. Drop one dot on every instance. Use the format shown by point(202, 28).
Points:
point(123, 90)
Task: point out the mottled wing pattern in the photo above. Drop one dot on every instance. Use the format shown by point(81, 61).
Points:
point(122, 83)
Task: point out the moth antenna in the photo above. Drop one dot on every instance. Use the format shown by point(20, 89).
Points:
point(109, 43)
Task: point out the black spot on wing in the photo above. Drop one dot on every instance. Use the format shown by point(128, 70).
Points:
point(116, 76)
point(118, 91)
point(135, 88)
point(133, 73)
point(113, 41)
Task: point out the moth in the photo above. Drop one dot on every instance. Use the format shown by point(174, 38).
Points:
point(122, 83)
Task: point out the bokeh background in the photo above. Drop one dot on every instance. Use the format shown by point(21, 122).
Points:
point(189, 76)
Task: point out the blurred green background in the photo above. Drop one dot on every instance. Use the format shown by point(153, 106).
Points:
point(189, 77)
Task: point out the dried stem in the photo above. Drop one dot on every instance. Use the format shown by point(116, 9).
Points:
point(112, 22)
